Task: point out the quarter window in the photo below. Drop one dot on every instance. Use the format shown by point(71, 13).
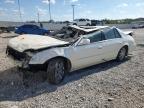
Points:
point(109, 34)
point(117, 34)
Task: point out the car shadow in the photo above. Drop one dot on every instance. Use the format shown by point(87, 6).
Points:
point(15, 86)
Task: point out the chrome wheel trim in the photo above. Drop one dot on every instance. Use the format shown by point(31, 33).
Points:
point(122, 54)
point(59, 71)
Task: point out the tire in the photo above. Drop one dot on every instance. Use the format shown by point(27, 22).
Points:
point(56, 71)
point(88, 24)
point(74, 24)
point(46, 34)
point(22, 33)
point(122, 54)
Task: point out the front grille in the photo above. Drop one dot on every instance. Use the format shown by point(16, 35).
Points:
point(15, 54)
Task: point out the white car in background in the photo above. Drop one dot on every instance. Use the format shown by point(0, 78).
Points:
point(82, 22)
point(58, 57)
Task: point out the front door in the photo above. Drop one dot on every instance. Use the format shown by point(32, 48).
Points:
point(90, 54)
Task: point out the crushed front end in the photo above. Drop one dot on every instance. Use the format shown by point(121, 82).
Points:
point(22, 58)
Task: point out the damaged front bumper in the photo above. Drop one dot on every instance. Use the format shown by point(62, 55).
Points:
point(20, 58)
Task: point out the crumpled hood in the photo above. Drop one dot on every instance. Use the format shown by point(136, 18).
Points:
point(26, 42)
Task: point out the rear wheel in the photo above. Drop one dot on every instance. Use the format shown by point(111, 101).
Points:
point(56, 71)
point(74, 24)
point(88, 24)
point(45, 34)
point(122, 54)
point(22, 33)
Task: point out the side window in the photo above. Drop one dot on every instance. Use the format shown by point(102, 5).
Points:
point(117, 34)
point(96, 37)
point(35, 27)
point(109, 34)
point(24, 26)
point(28, 26)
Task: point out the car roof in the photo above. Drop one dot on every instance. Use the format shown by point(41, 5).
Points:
point(88, 29)
point(29, 25)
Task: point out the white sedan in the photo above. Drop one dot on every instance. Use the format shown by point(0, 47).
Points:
point(58, 57)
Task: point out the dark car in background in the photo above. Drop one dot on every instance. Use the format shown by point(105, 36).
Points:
point(137, 26)
point(31, 29)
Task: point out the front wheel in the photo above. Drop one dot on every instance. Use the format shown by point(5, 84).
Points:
point(122, 54)
point(56, 71)
point(75, 24)
point(46, 34)
point(22, 33)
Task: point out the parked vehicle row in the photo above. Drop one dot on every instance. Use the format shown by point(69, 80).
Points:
point(82, 22)
point(138, 26)
point(70, 49)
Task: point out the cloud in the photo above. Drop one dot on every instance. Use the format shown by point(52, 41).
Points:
point(72, 1)
point(122, 5)
point(88, 12)
point(47, 1)
point(16, 12)
point(42, 11)
point(3, 11)
point(10, 1)
point(140, 4)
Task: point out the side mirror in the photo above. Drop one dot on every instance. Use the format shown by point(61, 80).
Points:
point(84, 42)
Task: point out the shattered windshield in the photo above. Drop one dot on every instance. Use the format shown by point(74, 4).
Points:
point(68, 34)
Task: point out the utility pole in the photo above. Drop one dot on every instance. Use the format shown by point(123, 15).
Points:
point(20, 14)
point(38, 15)
point(73, 7)
point(49, 9)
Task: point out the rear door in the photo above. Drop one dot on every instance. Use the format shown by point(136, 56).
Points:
point(113, 43)
point(29, 29)
point(36, 30)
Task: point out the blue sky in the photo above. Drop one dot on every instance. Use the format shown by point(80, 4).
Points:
point(62, 10)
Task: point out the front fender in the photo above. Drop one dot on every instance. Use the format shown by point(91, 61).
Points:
point(44, 56)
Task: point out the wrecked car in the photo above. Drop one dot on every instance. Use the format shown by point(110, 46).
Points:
point(61, 53)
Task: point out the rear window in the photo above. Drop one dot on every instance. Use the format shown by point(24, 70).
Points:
point(82, 20)
point(26, 26)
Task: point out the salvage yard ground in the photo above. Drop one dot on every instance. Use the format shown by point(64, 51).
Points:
point(108, 85)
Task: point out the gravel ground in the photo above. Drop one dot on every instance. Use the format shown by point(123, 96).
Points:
point(107, 85)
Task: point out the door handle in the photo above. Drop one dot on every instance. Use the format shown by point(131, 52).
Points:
point(100, 47)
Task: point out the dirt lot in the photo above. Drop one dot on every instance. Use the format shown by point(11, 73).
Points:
point(108, 85)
